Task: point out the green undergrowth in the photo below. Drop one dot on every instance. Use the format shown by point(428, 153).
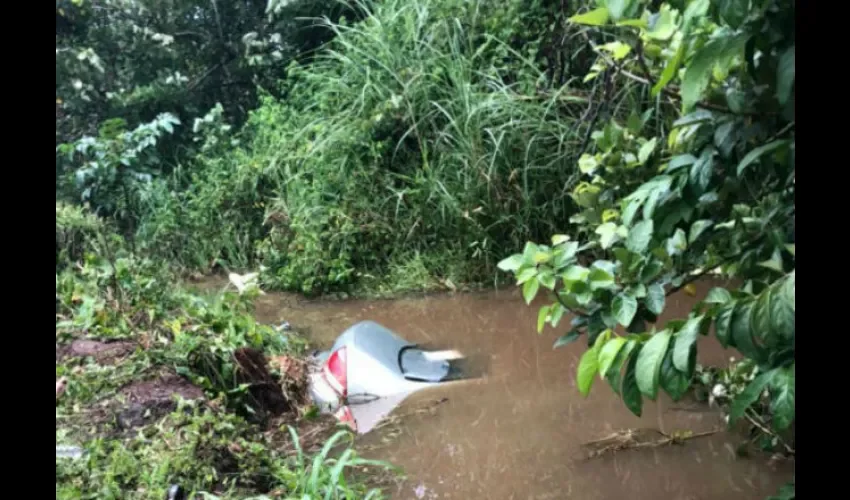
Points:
point(414, 150)
point(213, 454)
point(220, 446)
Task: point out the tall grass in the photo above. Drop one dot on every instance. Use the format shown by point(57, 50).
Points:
point(323, 476)
point(421, 131)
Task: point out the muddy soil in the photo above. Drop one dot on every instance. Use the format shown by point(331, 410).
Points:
point(149, 400)
point(101, 352)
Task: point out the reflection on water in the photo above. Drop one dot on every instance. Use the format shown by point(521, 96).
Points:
point(516, 433)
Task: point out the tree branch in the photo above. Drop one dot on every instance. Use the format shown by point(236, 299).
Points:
point(694, 277)
point(645, 81)
point(642, 61)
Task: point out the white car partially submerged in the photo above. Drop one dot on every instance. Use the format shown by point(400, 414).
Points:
point(370, 370)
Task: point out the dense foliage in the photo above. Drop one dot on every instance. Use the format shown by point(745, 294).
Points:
point(137, 59)
point(448, 119)
point(700, 181)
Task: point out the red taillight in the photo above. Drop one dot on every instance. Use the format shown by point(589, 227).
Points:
point(336, 372)
point(345, 417)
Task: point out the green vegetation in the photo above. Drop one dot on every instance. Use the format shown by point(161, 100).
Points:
point(700, 181)
point(376, 147)
point(213, 446)
point(431, 136)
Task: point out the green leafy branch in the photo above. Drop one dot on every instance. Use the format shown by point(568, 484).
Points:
point(712, 192)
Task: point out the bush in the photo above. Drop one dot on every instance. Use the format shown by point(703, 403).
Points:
point(77, 232)
point(406, 137)
point(205, 447)
point(708, 189)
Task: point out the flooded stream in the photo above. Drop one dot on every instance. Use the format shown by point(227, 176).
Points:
point(516, 433)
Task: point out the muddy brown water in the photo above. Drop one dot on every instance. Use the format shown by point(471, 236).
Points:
point(517, 432)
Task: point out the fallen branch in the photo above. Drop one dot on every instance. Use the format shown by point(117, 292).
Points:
point(755, 421)
point(631, 439)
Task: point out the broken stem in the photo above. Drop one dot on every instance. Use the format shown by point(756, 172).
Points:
point(755, 421)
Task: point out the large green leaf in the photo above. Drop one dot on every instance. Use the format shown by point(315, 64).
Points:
point(558, 239)
point(607, 234)
point(512, 263)
point(556, 313)
point(718, 295)
point(625, 308)
point(785, 74)
point(774, 262)
point(789, 290)
point(529, 290)
point(652, 203)
point(697, 117)
point(630, 390)
point(542, 316)
point(669, 72)
point(588, 365)
point(782, 392)
point(662, 25)
point(639, 236)
point(674, 382)
point(723, 321)
point(608, 354)
point(758, 152)
point(596, 17)
point(575, 273)
point(655, 298)
point(617, 7)
point(742, 334)
point(685, 343)
point(677, 243)
point(547, 279)
point(566, 339)
point(760, 322)
point(600, 278)
point(734, 12)
point(651, 270)
point(529, 251)
point(783, 307)
point(680, 161)
point(702, 170)
point(565, 254)
point(613, 373)
point(646, 150)
point(525, 274)
point(695, 10)
point(698, 73)
point(749, 395)
point(649, 363)
point(697, 228)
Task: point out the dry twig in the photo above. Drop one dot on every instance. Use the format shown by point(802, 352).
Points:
point(637, 438)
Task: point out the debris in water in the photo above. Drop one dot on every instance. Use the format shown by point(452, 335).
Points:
point(284, 327)
point(68, 451)
point(638, 438)
point(245, 282)
point(422, 492)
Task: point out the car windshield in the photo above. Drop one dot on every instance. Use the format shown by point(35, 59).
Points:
point(416, 365)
